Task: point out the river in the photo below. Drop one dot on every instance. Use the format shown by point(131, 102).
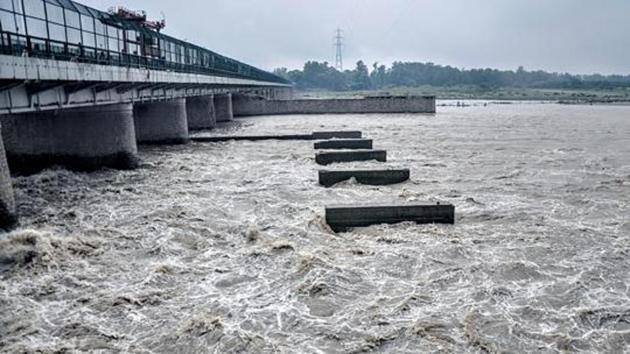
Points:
point(223, 248)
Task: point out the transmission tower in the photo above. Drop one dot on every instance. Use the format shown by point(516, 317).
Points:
point(339, 49)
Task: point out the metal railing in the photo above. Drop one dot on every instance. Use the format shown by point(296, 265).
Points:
point(24, 45)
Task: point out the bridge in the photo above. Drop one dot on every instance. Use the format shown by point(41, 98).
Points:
point(57, 54)
point(82, 88)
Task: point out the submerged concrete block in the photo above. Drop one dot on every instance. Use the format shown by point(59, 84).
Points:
point(342, 218)
point(200, 112)
point(344, 144)
point(338, 135)
point(218, 139)
point(8, 216)
point(370, 177)
point(81, 139)
point(326, 158)
point(162, 122)
point(352, 138)
point(223, 108)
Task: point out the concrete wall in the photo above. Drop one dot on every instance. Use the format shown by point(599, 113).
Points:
point(282, 93)
point(79, 138)
point(7, 199)
point(200, 112)
point(223, 107)
point(163, 122)
point(250, 106)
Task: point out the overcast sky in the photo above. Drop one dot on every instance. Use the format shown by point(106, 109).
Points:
point(577, 36)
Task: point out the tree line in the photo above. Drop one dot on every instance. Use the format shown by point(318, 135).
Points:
point(320, 75)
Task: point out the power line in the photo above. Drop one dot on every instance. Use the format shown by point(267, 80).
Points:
point(339, 49)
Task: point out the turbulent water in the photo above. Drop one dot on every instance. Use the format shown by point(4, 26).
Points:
point(223, 247)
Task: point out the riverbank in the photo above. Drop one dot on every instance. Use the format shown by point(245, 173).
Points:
point(614, 96)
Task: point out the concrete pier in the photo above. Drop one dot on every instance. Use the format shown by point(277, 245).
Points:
point(344, 144)
point(8, 217)
point(326, 158)
point(369, 177)
point(200, 113)
point(223, 108)
point(342, 218)
point(79, 138)
point(162, 122)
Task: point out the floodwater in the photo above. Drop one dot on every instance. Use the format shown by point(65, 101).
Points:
point(223, 248)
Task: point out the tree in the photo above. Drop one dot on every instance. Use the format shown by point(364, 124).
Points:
point(378, 77)
point(316, 75)
point(360, 77)
point(282, 72)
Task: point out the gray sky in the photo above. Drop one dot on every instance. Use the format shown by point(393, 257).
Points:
point(577, 36)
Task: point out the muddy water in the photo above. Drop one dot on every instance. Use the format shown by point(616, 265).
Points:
point(222, 247)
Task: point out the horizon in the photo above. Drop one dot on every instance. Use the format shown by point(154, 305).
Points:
point(564, 36)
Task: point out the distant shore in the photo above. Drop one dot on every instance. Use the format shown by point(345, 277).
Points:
point(619, 96)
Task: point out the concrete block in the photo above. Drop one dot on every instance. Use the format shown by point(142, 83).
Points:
point(342, 218)
point(337, 135)
point(344, 144)
point(326, 158)
point(370, 177)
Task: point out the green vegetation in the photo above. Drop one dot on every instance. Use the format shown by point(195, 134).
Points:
point(445, 82)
